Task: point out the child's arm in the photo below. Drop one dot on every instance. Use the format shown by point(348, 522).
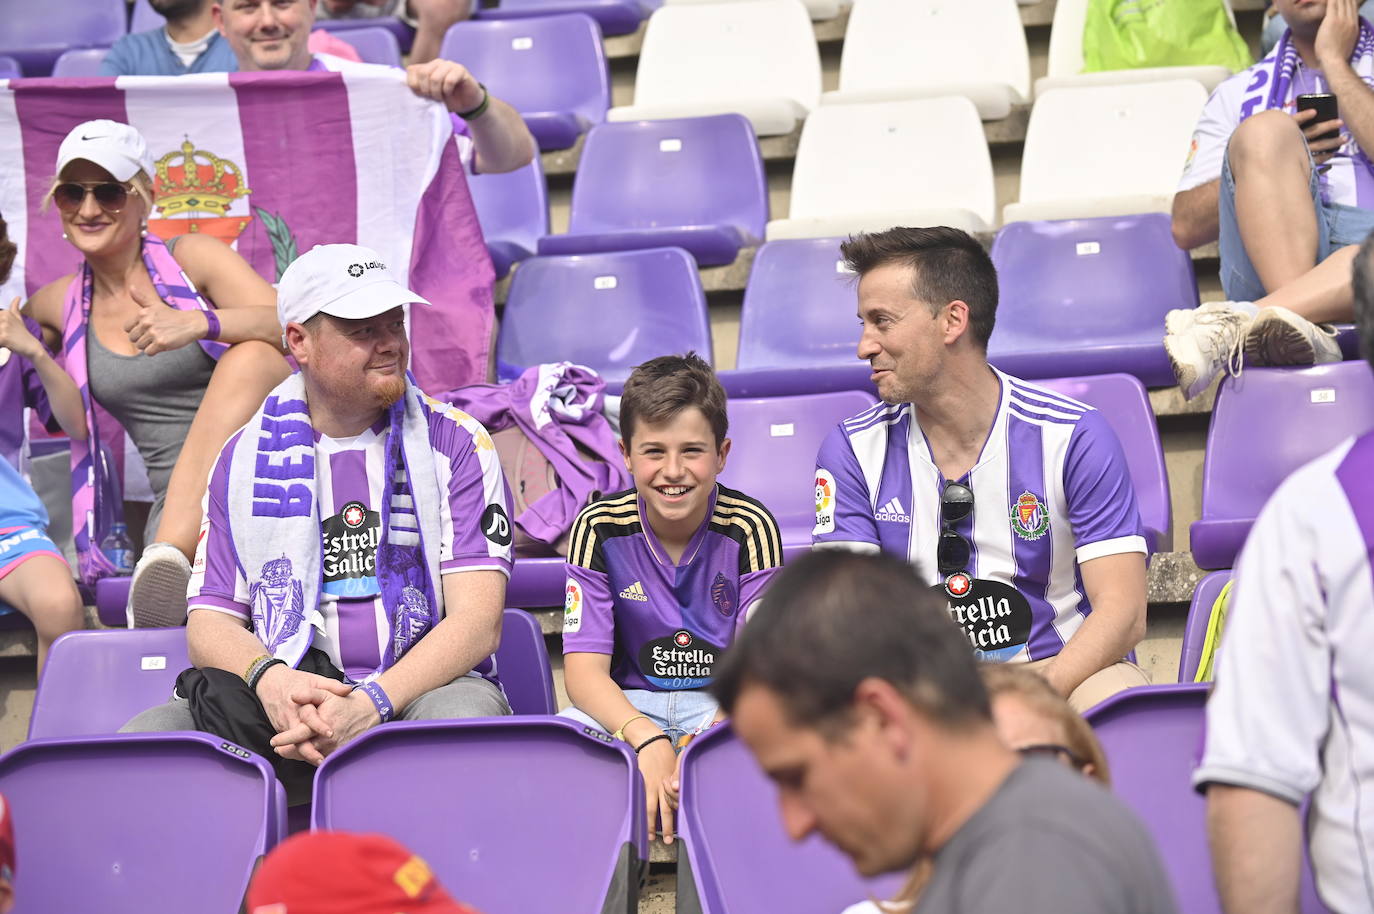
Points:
point(63, 396)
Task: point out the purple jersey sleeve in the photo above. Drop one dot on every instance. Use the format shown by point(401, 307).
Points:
point(844, 511)
point(35, 395)
point(1097, 484)
point(477, 529)
point(588, 607)
point(217, 580)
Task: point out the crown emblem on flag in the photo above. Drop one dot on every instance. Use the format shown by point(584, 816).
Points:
point(195, 190)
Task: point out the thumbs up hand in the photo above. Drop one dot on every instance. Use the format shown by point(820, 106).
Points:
point(15, 336)
point(158, 327)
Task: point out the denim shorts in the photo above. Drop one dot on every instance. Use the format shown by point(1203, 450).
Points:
point(675, 713)
point(1338, 225)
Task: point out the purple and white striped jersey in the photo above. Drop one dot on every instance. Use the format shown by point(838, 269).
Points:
point(350, 487)
point(1292, 712)
point(1051, 490)
point(664, 625)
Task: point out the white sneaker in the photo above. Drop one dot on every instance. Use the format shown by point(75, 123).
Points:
point(157, 591)
point(1181, 320)
point(1210, 343)
point(1277, 336)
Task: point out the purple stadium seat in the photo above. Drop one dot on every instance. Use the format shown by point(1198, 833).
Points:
point(1266, 424)
point(1087, 296)
point(1123, 402)
point(36, 34)
point(696, 183)
point(374, 44)
point(111, 600)
point(514, 211)
point(522, 662)
point(9, 68)
point(551, 69)
point(536, 582)
point(609, 312)
point(773, 454)
point(145, 17)
point(616, 17)
point(80, 62)
point(95, 681)
point(512, 814)
point(111, 823)
point(1153, 738)
point(735, 856)
point(405, 35)
point(1199, 615)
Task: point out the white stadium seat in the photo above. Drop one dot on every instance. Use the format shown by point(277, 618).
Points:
point(897, 49)
point(758, 59)
point(1106, 150)
point(1065, 65)
point(820, 10)
point(870, 167)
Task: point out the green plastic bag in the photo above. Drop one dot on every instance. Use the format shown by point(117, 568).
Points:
point(1129, 34)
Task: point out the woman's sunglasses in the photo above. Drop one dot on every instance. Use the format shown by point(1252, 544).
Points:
point(109, 196)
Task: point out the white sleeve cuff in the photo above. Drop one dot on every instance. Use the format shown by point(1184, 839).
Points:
point(1117, 546)
point(850, 545)
point(1240, 777)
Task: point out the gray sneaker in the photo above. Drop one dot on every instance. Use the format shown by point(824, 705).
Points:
point(1208, 345)
point(1277, 336)
point(157, 591)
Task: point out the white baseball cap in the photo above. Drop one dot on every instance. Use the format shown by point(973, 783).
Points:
point(343, 280)
point(115, 147)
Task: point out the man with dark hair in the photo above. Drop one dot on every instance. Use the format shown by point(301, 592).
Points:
point(1014, 498)
point(855, 694)
point(661, 576)
point(188, 43)
point(1292, 715)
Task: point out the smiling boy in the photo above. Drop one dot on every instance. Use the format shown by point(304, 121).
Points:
point(662, 576)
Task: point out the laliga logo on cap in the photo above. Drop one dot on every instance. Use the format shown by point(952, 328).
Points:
point(356, 269)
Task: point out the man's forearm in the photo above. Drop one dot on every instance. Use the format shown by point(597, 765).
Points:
point(451, 649)
point(215, 639)
point(1256, 842)
point(1356, 102)
point(500, 139)
point(1106, 636)
point(1195, 220)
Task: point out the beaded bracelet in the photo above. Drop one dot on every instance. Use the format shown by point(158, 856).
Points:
point(211, 324)
point(480, 109)
point(252, 664)
point(256, 675)
point(379, 699)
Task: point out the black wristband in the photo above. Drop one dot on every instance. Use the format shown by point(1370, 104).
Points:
point(653, 739)
point(257, 674)
point(480, 109)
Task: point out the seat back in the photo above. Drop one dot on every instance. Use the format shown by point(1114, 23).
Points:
point(95, 681)
point(80, 62)
point(374, 44)
point(513, 814)
point(108, 823)
point(735, 855)
point(932, 45)
point(1146, 127)
point(548, 64)
point(799, 307)
point(1125, 405)
point(705, 54)
point(1199, 617)
point(522, 663)
point(9, 68)
point(879, 158)
point(513, 208)
point(616, 17)
point(773, 454)
point(680, 172)
point(404, 34)
point(609, 312)
point(1295, 415)
point(36, 34)
point(145, 17)
point(1088, 296)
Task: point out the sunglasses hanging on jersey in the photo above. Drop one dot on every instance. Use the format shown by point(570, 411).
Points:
point(954, 552)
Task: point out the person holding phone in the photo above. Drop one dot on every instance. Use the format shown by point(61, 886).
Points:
point(1287, 199)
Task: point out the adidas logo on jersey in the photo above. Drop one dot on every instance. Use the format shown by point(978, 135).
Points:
point(635, 592)
point(893, 512)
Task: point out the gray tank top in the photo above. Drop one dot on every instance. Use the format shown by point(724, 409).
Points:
point(154, 397)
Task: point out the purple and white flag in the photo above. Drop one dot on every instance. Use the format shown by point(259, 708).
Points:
point(275, 163)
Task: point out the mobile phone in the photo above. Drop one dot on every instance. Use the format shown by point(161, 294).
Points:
point(1325, 106)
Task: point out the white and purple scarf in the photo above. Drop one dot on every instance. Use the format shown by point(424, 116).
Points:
point(92, 510)
point(275, 523)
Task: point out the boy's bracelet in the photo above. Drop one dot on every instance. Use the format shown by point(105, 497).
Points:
point(651, 740)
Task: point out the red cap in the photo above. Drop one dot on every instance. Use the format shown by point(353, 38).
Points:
point(6, 841)
point(343, 873)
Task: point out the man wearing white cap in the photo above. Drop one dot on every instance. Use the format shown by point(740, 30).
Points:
point(356, 541)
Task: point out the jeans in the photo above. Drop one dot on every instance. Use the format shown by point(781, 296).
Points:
point(675, 713)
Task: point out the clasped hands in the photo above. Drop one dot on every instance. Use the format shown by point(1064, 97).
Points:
point(313, 715)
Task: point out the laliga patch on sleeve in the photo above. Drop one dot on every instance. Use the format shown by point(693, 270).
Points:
point(825, 503)
point(572, 608)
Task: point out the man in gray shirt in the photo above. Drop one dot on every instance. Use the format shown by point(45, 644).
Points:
point(862, 702)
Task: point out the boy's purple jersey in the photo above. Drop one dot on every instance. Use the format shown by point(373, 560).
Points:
point(665, 625)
